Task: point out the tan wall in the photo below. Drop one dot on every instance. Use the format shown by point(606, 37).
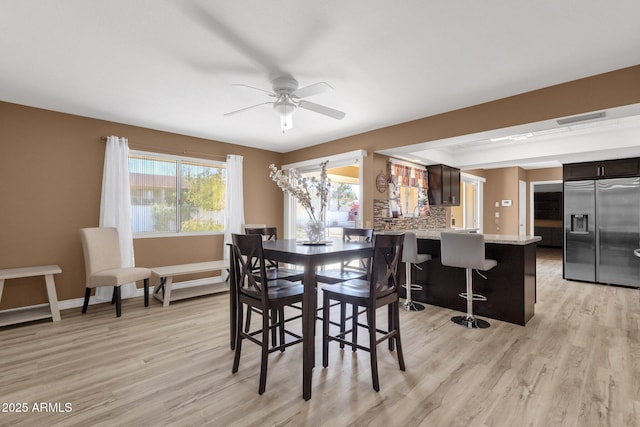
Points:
point(51, 167)
point(608, 90)
point(546, 174)
point(501, 184)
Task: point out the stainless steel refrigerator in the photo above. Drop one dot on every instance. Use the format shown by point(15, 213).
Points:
point(602, 229)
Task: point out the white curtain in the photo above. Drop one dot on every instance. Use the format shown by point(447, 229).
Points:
point(115, 208)
point(234, 210)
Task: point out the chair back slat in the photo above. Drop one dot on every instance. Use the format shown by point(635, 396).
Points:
point(267, 233)
point(387, 253)
point(357, 234)
point(247, 259)
point(245, 226)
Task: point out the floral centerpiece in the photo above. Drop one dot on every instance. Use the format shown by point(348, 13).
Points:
point(302, 189)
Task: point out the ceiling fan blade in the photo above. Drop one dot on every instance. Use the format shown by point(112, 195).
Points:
point(256, 88)
point(317, 108)
point(231, 113)
point(314, 89)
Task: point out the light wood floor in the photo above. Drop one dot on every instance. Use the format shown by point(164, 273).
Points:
point(577, 363)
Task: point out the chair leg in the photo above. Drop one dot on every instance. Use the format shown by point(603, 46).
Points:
point(113, 295)
point(238, 337)
point(281, 328)
point(391, 325)
point(87, 294)
point(275, 324)
point(343, 320)
point(118, 298)
point(396, 317)
point(146, 292)
point(265, 351)
point(325, 330)
point(248, 322)
point(354, 327)
point(233, 315)
point(373, 351)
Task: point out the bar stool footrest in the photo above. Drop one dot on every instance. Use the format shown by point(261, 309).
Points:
point(414, 287)
point(474, 297)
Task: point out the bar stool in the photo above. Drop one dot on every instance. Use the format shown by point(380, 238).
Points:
point(466, 250)
point(410, 256)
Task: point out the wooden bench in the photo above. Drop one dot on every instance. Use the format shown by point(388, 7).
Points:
point(166, 290)
point(18, 315)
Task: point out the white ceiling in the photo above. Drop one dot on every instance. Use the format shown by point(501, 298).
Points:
point(169, 65)
point(535, 145)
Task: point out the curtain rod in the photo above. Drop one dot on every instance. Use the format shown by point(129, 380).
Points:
point(221, 156)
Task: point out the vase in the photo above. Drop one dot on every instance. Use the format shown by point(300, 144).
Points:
point(315, 231)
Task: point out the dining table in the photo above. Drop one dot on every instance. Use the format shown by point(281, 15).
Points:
point(311, 256)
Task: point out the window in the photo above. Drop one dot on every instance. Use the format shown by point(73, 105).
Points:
point(171, 194)
point(408, 186)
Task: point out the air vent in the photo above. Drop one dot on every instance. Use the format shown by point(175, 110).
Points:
point(582, 118)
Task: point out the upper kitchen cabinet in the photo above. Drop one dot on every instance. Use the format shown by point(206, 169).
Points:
point(444, 185)
point(604, 169)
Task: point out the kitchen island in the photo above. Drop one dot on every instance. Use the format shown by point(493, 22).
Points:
point(510, 287)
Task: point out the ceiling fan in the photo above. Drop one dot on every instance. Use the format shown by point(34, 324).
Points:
point(288, 98)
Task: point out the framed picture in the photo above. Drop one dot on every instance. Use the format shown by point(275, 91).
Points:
point(381, 182)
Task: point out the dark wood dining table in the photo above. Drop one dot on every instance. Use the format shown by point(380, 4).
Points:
point(311, 257)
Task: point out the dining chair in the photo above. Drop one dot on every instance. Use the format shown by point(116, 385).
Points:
point(381, 289)
point(272, 268)
point(245, 226)
point(266, 296)
point(103, 265)
point(274, 271)
point(348, 269)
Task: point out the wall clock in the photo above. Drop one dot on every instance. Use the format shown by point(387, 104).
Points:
point(381, 182)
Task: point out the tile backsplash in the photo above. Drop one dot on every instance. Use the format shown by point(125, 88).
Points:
point(437, 219)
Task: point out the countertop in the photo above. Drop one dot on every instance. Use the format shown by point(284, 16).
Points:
point(503, 239)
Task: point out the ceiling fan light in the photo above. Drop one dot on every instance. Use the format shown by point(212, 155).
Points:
point(286, 121)
point(285, 110)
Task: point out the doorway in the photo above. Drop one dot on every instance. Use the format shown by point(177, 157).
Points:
point(469, 214)
point(545, 211)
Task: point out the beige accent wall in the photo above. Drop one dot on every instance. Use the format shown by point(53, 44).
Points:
point(51, 167)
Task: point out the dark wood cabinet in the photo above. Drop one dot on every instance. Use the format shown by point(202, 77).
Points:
point(444, 185)
point(620, 168)
point(547, 205)
point(551, 236)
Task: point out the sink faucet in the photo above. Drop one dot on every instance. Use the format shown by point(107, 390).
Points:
point(414, 219)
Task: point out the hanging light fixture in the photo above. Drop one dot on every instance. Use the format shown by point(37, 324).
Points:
point(285, 107)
